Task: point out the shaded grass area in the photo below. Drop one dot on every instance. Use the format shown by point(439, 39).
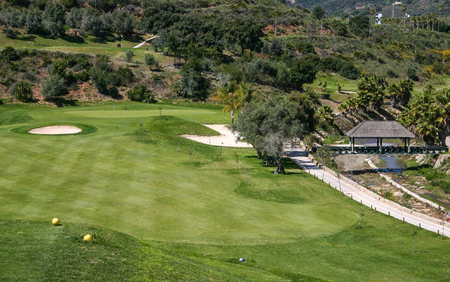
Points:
point(189, 198)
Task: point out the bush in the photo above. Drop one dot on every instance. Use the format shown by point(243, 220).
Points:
point(129, 56)
point(150, 60)
point(391, 74)
point(359, 25)
point(104, 81)
point(22, 92)
point(411, 73)
point(193, 84)
point(123, 76)
point(53, 86)
point(141, 94)
point(9, 54)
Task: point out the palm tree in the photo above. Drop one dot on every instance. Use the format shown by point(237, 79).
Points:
point(400, 93)
point(372, 13)
point(325, 114)
point(441, 8)
point(226, 96)
point(404, 7)
point(233, 96)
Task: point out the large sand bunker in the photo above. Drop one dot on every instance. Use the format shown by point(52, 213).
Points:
point(226, 138)
point(55, 130)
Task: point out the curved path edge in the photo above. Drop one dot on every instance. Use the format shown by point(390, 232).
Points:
point(366, 197)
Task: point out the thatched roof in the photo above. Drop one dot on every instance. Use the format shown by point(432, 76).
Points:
point(381, 129)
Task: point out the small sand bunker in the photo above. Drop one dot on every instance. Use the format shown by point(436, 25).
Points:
point(56, 130)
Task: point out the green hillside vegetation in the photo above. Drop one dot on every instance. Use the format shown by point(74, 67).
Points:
point(341, 7)
point(184, 197)
point(274, 46)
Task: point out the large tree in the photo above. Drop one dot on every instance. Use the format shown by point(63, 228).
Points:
point(269, 122)
point(53, 19)
point(245, 32)
point(360, 25)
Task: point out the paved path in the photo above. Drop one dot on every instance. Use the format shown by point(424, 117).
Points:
point(359, 194)
point(367, 197)
point(144, 42)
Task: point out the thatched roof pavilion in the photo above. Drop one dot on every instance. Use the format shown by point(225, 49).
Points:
point(380, 130)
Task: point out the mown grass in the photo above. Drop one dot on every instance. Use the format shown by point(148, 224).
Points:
point(332, 81)
point(89, 45)
point(39, 251)
point(188, 198)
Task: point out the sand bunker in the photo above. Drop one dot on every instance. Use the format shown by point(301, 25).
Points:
point(55, 130)
point(226, 138)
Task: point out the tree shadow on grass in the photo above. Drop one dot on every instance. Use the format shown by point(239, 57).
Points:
point(62, 102)
point(27, 37)
point(134, 38)
point(73, 39)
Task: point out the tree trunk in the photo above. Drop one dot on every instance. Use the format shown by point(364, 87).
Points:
point(321, 27)
point(232, 116)
point(280, 166)
point(260, 155)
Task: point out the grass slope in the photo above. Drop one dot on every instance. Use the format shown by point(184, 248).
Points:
point(39, 251)
point(188, 197)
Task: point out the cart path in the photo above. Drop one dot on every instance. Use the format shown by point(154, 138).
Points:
point(369, 198)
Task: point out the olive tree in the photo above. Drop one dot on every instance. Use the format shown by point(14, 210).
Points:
point(269, 122)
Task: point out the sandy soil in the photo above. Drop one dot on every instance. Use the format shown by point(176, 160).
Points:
point(226, 138)
point(56, 130)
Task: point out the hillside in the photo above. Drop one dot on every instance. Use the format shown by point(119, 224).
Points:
point(344, 7)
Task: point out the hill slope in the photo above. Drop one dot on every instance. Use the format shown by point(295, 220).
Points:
point(415, 7)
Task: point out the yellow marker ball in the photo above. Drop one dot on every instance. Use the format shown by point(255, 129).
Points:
point(87, 238)
point(55, 221)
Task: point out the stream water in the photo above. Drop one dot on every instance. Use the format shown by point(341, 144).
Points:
point(391, 162)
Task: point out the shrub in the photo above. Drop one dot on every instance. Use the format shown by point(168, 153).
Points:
point(193, 84)
point(9, 54)
point(22, 92)
point(53, 86)
point(141, 94)
point(359, 25)
point(129, 56)
point(391, 74)
point(411, 73)
point(150, 60)
point(102, 80)
point(123, 76)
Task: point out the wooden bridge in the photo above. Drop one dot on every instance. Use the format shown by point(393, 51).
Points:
point(343, 150)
